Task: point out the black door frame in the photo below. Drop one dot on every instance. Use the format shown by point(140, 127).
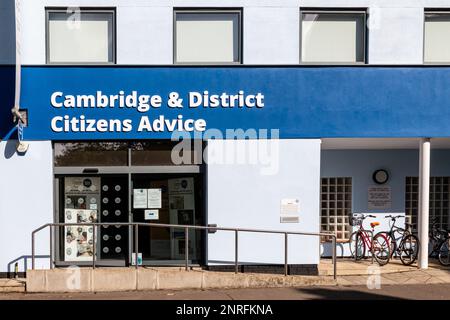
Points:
point(129, 170)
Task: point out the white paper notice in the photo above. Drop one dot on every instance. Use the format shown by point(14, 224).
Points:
point(379, 197)
point(140, 198)
point(154, 198)
point(289, 211)
point(151, 214)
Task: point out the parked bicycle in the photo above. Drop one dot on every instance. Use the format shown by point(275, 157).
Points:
point(440, 243)
point(402, 242)
point(361, 241)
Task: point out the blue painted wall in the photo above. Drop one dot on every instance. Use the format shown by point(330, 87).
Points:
point(303, 102)
point(360, 165)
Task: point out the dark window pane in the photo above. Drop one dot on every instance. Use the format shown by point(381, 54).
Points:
point(156, 153)
point(91, 154)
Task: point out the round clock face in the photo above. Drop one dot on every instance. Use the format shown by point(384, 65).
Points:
point(380, 176)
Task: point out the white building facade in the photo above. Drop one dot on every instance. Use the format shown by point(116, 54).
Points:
point(325, 93)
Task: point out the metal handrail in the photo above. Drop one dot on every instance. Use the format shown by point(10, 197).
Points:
point(186, 233)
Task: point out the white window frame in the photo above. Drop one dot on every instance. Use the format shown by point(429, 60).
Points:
point(333, 11)
point(237, 11)
point(438, 12)
point(112, 11)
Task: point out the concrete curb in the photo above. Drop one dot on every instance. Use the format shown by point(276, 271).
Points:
point(143, 279)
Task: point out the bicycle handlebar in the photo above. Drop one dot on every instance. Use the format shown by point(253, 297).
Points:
point(394, 217)
point(363, 216)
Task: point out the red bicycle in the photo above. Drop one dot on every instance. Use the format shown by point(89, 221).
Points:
point(361, 241)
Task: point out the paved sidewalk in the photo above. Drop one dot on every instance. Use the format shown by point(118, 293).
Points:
point(403, 278)
point(351, 273)
point(347, 266)
point(433, 291)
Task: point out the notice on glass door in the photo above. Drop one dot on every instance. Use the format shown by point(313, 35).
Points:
point(151, 214)
point(154, 198)
point(140, 198)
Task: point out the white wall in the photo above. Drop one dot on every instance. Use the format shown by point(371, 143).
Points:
point(270, 28)
point(26, 202)
point(241, 196)
point(396, 36)
point(271, 35)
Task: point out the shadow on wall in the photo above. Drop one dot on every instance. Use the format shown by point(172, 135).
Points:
point(10, 149)
point(342, 249)
point(7, 64)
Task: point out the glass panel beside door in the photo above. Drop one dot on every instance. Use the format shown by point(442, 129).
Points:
point(167, 199)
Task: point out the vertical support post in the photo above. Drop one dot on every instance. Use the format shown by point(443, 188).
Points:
point(32, 251)
point(424, 197)
point(150, 241)
point(94, 244)
point(186, 248)
point(334, 257)
point(285, 253)
point(51, 247)
point(371, 247)
point(136, 245)
point(130, 212)
point(236, 251)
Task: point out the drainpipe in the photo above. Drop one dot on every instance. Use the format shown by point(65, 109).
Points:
point(424, 201)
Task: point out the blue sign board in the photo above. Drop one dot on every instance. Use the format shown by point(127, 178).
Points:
point(96, 103)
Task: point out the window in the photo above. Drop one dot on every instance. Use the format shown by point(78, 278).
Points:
point(164, 152)
point(436, 41)
point(439, 201)
point(134, 153)
point(333, 37)
point(87, 36)
point(91, 154)
point(207, 36)
point(336, 206)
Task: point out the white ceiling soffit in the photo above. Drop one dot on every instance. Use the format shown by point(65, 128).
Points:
point(384, 143)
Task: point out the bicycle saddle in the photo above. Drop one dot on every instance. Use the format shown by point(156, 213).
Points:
point(374, 224)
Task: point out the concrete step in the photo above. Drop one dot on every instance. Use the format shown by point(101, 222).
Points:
point(12, 285)
point(142, 279)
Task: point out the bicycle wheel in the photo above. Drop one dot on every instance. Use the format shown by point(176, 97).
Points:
point(409, 249)
point(357, 245)
point(381, 251)
point(391, 241)
point(444, 256)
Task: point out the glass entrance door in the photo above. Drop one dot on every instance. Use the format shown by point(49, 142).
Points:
point(86, 199)
point(93, 180)
point(168, 199)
